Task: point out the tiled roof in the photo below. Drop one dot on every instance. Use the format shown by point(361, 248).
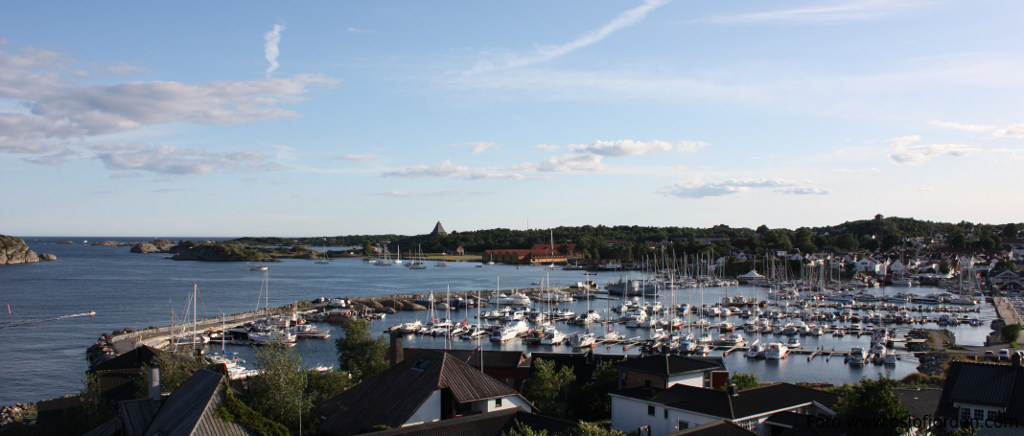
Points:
point(920, 402)
point(670, 364)
point(746, 403)
point(984, 384)
point(484, 424)
point(189, 410)
point(393, 396)
point(720, 428)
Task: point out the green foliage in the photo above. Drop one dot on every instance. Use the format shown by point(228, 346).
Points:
point(916, 379)
point(234, 410)
point(359, 353)
point(584, 428)
point(177, 367)
point(742, 381)
point(591, 401)
point(546, 384)
point(1010, 332)
point(523, 430)
point(95, 406)
point(965, 431)
point(278, 392)
point(322, 385)
point(871, 407)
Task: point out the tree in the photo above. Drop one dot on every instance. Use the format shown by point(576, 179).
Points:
point(591, 402)
point(278, 393)
point(177, 367)
point(1010, 332)
point(591, 429)
point(742, 381)
point(871, 407)
point(359, 353)
point(1010, 231)
point(546, 384)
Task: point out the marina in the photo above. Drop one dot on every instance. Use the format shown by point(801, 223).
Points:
point(138, 291)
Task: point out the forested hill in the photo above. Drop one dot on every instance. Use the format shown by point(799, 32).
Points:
point(603, 241)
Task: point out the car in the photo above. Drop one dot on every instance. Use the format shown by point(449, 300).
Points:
point(1004, 354)
point(1020, 355)
point(989, 354)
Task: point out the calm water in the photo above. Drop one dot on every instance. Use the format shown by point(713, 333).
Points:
point(42, 357)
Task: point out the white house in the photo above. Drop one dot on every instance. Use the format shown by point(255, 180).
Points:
point(682, 407)
point(986, 395)
point(430, 387)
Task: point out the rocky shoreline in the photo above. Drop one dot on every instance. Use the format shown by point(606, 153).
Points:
point(14, 251)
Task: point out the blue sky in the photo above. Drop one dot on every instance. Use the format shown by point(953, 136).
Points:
point(334, 118)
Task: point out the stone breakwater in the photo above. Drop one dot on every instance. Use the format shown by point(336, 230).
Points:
point(15, 412)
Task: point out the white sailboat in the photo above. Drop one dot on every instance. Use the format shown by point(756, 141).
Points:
point(325, 259)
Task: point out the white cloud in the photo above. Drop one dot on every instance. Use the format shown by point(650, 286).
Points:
point(547, 147)
point(177, 161)
point(1012, 131)
point(737, 186)
point(960, 126)
point(903, 153)
point(548, 52)
point(477, 147)
point(358, 157)
point(122, 68)
point(836, 12)
point(405, 194)
point(270, 47)
point(449, 169)
point(629, 147)
point(564, 164)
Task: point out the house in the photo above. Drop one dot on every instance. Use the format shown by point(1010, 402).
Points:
point(511, 367)
point(666, 370)
point(988, 395)
point(720, 428)
point(1005, 280)
point(484, 424)
point(189, 410)
point(681, 407)
point(921, 402)
point(428, 387)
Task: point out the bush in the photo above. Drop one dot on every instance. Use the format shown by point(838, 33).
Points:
point(1010, 333)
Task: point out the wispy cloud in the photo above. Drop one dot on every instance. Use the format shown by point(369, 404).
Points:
point(477, 147)
point(405, 194)
point(356, 157)
point(1012, 131)
point(177, 161)
point(548, 52)
point(547, 147)
point(270, 47)
point(628, 147)
point(737, 186)
point(122, 68)
point(564, 164)
point(836, 12)
point(449, 169)
point(903, 153)
point(964, 127)
point(56, 113)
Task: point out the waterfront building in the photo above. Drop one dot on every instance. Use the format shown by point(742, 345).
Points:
point(989, 395)
point(430, 386)
point(665, 371)
point(680, 407)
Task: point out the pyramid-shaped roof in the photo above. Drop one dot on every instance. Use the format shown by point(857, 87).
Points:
point(439, 230)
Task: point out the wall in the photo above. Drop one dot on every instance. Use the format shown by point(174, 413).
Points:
point(430, 411)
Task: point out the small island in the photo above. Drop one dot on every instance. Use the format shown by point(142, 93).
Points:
point(15, 251)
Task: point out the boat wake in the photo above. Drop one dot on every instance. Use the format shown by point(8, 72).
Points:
point(22, 322)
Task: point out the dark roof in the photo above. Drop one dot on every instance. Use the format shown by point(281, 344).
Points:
point(391, 397)
point(484, 424)
point(136, 415)
point(141, 355)
point(670, 364)
point(720, 428)
point(984, 384)
point(190, 409)
point(492, 359)
point(797, 424)
point(920, 402)
point(748, 402)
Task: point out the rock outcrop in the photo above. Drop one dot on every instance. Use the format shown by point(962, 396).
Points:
point(14, 251)
point(157, 246)
point(216, 252)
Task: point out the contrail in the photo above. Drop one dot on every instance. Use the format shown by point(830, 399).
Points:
point(270, 51)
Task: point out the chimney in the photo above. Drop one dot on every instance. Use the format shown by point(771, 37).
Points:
point(154, 383)
point(397, 347)
point(732, 390)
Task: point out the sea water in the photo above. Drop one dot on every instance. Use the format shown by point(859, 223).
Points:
point(44, 338)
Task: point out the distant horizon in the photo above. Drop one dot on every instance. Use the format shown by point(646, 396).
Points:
point(222, 237)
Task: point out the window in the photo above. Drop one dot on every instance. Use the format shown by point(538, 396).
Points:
point(979, 414)
point(682, 425)
point(965, 413)
point(650, 410)
point(992, 415)
point(666, 413)
point(497, 402)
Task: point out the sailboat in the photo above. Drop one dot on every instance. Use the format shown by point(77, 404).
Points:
point(417, 262)
point(552, 266)
point(192, 339)
point(325, 259)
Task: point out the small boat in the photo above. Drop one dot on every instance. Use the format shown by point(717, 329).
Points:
point(794, 342)
point(776, 351)
point(582, 340)
point(858, 356)
point(756, 351)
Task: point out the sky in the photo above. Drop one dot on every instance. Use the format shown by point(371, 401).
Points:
point(265, 118)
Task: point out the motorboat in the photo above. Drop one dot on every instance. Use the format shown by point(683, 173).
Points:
point(776, 351)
